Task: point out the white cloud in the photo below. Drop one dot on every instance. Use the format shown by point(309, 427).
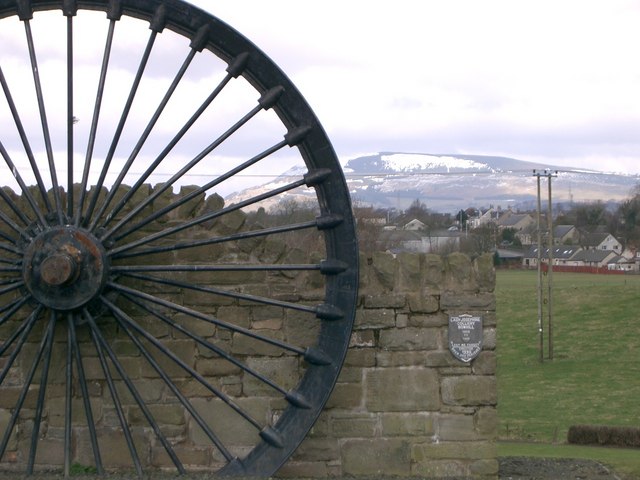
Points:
point(387, 74)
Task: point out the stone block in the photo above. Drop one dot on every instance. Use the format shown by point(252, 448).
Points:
point(458, 274)
point(469, 390)
point(400, 359)
point(113, 448)
point(410, 338)
point(238, 316)
point(456, 427)
point(385, 269)
point(283, 371)
point(380, 456)
point(489, 338)
point(486, 422)
point(374, 318)
point(354, 425)
point(440, 469)
point(300, 469)
point(409, 271)
point(421, 302)
point(485, 272)
point(350, 375)
point(346, 396)
point(454, 451)
point(216, 367)
point(362, 338)
point(415, 424)
point(245, 345)
point(317, 449)
point(466, 301)
point(300, 328)
point(358, 357)
point(385, 300)
point(189, 455)
point(485, 364)
point(5, 417)
point(486, 467)
point(402, 389)
point(232, 429)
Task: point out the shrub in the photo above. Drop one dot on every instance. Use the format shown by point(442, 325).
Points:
point(604, 435)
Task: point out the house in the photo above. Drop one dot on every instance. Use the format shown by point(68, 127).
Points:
point(566, 235)
point(414, 225)
point(594, 258)
point(621, 263)
point(517, 221)
point(420, 241)
point(600, 241)
point(482, 217)
point(562, 255)
point(528, 235)
point(508, 257)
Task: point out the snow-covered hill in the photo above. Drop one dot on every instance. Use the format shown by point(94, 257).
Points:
point(447, 183)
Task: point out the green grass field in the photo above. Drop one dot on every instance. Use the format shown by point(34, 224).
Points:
point(594, 377)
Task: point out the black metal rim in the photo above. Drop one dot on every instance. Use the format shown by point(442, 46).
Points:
point(67, 289)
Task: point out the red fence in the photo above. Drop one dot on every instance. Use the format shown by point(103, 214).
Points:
point(572, 269)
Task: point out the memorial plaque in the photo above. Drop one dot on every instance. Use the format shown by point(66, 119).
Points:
point(465, 336)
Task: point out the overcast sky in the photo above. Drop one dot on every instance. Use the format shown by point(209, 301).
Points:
point(544, 80)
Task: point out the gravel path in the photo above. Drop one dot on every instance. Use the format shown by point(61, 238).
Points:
point(527, 468)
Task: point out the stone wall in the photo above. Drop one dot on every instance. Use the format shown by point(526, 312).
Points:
point(404, 405)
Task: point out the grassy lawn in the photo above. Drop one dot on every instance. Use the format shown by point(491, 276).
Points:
point(594, 377)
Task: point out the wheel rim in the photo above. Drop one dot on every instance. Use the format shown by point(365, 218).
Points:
point(93, 260)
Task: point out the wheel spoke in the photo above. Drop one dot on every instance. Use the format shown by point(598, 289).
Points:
point(84, 389)
point(125, 322)
point(193, 194)
point(12, 307)
point(318, 311)
point(70, 11)
point(217, 268)
point(218, 351)
point(232, 73)
point(156, 27)
point(43, 119)
point(134, 392)
point(206, 318)
point(28, 151)
point(16, 174)
point(68, 398)
point(94, 121)
point(117, 404)
point(12, 287)
point(127, 253)
point(20, 214)
point(44, 374)
point(23, 329)
point(245, 415)
point(25, 388)
point(196, 45)
point(210, 216)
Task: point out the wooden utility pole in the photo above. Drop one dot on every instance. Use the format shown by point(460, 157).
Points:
point(540, 329)
point(549, 273)
point(550, 270)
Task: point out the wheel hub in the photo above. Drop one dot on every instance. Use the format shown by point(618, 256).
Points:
point(65, 267)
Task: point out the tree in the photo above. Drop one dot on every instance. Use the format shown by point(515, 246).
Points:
point(629, 219)
point(462, 218)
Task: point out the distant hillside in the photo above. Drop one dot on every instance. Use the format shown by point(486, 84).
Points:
point(448, 182)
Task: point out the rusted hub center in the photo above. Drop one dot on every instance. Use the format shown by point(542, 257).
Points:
point(65, 267)
point(58, 269)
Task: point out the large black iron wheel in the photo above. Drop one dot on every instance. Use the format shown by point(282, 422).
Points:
point(141, 326)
